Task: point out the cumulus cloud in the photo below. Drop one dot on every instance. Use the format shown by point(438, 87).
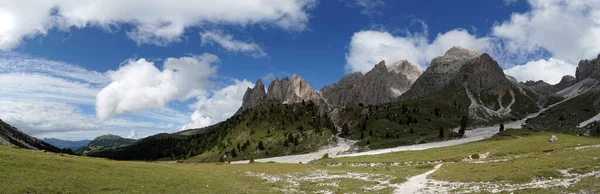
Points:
point(53, 99)
point(140, 85)
point(551, 70)
point(369, 47)
point(152, 22)
point(221, 105)
point(567, 29)
point(228, 43)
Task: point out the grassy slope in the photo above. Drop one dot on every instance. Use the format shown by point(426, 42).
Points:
point(565, 116)
point(25, 171)
point(387, 126)
point(529, 156)
point(271, 123)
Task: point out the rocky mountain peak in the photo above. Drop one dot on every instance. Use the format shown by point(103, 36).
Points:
point(253, 97)
point(460, 52)
point(565, 82)
point(382, 84)
point(587, 69)
point(405, 67)
point(480, 74)
point(440, 72)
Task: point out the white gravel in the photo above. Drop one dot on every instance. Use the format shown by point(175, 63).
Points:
point(343, 146)
point(417, 183)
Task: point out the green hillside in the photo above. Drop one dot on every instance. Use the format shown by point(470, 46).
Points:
point(565, 116)
point(273, 129)
point(415, 121)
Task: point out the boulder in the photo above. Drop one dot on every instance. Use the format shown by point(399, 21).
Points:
point(553, 139)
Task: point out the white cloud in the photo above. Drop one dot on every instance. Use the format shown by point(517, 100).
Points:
point(369, 7)
point(222, 105)
point(568, 29)
point(54, 99)
point(228, 43)
point(369, 47)
point(153, 22)
point(551, 70)
point(132, 134)
point(139, 85)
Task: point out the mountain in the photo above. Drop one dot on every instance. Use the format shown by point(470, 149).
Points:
point(66, 143)
point(270, 129)
point(440, 72)
point(580, 110)
point(285, 91)
point(11, 136)
point(104, 142)
point(253, 97)
point(382, 84)
point(289, 92)
point(469, 77)
point(548, 89)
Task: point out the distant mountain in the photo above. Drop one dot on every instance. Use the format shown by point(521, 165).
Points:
point(382, 84)
point(66, 143)
point(104, 142)
point(11, 136)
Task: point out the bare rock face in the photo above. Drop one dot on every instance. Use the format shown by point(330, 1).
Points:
point(278, 89)
point(441, 72)
point(253, 97)
point(343, 92)
point(382, 84)
point(481, 74)
point(587, 69)
point(293, 91)
point(565, 82)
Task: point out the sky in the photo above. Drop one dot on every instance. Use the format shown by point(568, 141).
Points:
point(77, 69)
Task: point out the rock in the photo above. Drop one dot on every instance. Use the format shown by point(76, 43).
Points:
point(565, 82)
point(553, 139)
point(440, 73)
point(587, 69)
point(382, 84)
point(481, 74)
point(253, 97)
point(293, 91)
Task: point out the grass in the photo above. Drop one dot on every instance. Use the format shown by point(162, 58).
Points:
point(515, 157)
point(25, 171)
point(565, 116)
point(528, 156)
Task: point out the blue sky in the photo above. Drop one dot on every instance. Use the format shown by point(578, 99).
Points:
point(196, 58)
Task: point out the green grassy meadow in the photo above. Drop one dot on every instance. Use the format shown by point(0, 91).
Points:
point(512, 157)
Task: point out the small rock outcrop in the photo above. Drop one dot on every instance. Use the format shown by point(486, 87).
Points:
point(253, 97)
point(441, 72)
point(382, 84)
point(553, 139)
point(565, 82)
point(587, 69)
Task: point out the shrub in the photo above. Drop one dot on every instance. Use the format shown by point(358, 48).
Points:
point(325, 156)
point(475, 156)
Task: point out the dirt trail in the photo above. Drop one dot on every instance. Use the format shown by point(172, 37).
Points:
point(417, 183)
